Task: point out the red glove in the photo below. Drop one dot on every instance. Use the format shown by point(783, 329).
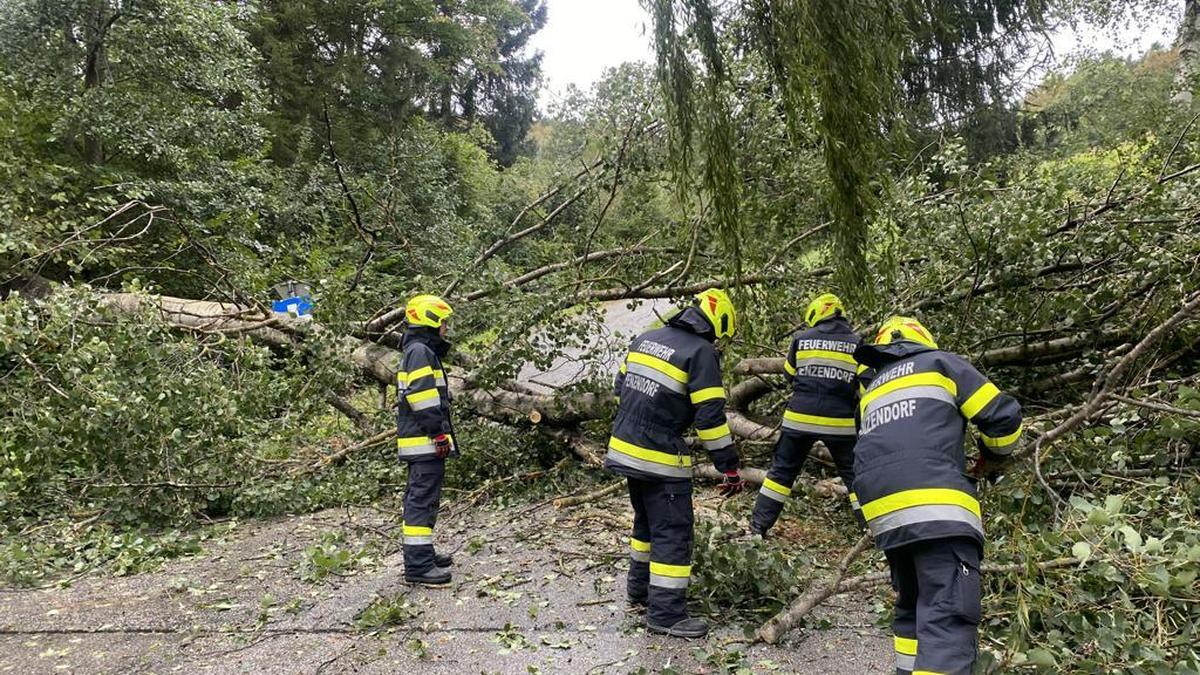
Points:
point(980, 468)
point(732, 485)
point(442, 445)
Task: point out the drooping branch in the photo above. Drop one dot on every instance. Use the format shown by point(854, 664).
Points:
point(534, 275)
point(660, 292)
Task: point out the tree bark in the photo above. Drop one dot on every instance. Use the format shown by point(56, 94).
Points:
point(1184, 86)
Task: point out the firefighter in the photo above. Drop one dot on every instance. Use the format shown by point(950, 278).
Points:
point(424, 435)
point(670, 381)
point(821, 367)
point(919, 502)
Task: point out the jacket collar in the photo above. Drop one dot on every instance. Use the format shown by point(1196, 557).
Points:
point(430, 337)
point(878, 356)
point(691, 320)
point(834, 324)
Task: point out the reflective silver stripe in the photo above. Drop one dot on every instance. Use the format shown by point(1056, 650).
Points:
point(925, 513)
point(768, 492)
point(722, 442)
point(936, 393)
point(817, 428)
point(417, 450)
point(640, 556)
point(441, 381)
point(655, 468)
point(668, 582)
point(417, 540)
point(427, 403)
point(905, 662)
point(855, 505)
point(832, 363)
point(658, 376)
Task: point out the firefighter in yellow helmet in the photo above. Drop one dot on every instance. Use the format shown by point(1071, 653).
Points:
point(920, 503)
point(822, 372)
point(670, 381)
point(424, 434)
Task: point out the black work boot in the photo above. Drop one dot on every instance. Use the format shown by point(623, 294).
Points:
point(638, 603)
point(443, 560)
point(757, 530)
point(687, 628)
point(435, 576)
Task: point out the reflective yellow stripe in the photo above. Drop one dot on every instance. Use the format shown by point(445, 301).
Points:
point(927, 672)
point(647, 454)
point(639, 545)
point(417, 374)
point(817, 419)
point(422, 396)
point(659, 365)
point(915, 380)
point(708, 394)
point(825, 354)
point(919, 497)
point(665, 570)
point(906, 646)
point(714, 433)
point(413, 441)
point(1003, 440)
point(777, 487)
point(622, 368)
point(979, 400)
point(417, 531)
point(788, 367)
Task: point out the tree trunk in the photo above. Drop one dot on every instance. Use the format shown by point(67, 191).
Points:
point(95, 68)
point(1186, 73)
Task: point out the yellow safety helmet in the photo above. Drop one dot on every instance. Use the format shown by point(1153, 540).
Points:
point(823, 307)
point(427, 310)
point(904, 328)
point(716, 306)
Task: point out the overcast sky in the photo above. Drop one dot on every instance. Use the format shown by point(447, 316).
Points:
point(584, 37)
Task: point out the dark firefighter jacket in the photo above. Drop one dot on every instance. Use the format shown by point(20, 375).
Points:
point(669, 381)
point(423, 401)
point(822, 369)
point(909, 463)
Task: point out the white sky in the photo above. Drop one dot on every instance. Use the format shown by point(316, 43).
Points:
point(584, 37)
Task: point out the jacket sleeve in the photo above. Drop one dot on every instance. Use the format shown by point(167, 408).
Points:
point(789, 362)
point(417, 383)
point(707, 394)
point(995, 414)
point(619, 380)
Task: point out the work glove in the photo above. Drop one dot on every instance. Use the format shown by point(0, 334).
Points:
point(985, 470)
point(441, 446)
point(732, 484)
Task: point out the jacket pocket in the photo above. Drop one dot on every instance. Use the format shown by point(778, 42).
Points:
point(968, 587)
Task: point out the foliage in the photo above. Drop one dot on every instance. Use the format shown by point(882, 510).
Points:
point(386, 612)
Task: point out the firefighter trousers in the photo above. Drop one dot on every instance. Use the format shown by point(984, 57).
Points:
point(937, 605)
point(660, 564)
point(422, 496)
point(790, 453)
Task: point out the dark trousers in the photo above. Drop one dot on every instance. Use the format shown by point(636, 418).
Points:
point(421, 499)
point(790, 453)
point(937, 605)
point(660, 564)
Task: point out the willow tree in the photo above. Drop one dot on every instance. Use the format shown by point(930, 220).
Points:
point(853, 70)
